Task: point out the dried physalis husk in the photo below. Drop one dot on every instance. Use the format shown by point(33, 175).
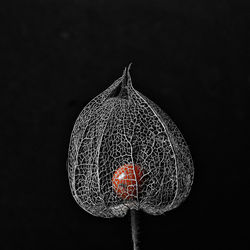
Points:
point(126, 153)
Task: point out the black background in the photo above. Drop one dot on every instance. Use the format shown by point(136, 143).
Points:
point(188, 56)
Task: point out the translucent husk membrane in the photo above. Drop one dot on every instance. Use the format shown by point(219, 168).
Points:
point(121, 127)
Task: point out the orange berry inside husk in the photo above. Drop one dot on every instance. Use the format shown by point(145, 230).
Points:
point(126, 181)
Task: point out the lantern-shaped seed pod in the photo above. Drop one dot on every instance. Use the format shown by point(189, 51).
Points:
point(126, 153)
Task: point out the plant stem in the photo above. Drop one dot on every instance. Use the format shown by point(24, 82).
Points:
point(134, 228)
